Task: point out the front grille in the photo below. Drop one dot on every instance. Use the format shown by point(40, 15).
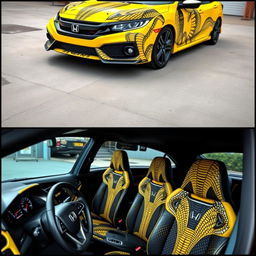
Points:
point(76, 48)
point(85, 28)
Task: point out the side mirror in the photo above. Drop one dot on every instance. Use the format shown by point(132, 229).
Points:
point(190, 4)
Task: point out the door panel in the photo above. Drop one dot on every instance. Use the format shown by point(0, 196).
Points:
point(209, 12)
point(194, 24)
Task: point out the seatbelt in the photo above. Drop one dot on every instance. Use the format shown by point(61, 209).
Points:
point(232, 239)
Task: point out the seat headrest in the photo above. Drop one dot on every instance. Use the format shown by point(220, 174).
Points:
point(119, 161)
point(159, 169)
point(208, 179)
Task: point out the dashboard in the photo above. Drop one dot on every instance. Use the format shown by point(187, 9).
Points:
point(23, 209)
point(25, 205)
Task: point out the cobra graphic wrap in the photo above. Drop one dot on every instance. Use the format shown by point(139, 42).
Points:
point(145, 50)
point(116, 183)
point(154, 196)
point(69, 6)
point(100, 228)
point(134, 14)
point(125, 32)
point(97, 8)
point(107, 200)
point(197, 220)
point(194, 19)
point(195, 180)
point(86, 56)
point(153, 191)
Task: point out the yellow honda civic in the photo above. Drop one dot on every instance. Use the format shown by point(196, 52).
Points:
point(133, 32)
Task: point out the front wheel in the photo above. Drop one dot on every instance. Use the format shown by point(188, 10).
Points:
point(162, 49)
point(215, 33)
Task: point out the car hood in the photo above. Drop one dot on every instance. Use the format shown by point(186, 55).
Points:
point(107, 11)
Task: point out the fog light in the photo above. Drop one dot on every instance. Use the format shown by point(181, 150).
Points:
point(129, 50)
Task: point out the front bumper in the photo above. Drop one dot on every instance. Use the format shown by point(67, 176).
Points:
point(109, 48)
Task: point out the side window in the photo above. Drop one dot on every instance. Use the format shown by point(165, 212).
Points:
point(233, 161)
point(51, 157)
point(139, 156)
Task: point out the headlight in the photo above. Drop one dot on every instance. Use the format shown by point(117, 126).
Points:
point(130, 25)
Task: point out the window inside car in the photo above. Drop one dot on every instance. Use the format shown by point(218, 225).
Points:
point(50, 157)
point(233, 161)
point(138, 155)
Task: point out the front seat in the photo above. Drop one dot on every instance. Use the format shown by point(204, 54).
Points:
point(150, 200)
point(111, 194)
point(146, 208)
point(198, 217)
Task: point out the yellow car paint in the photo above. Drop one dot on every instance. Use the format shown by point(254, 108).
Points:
point(190, 26)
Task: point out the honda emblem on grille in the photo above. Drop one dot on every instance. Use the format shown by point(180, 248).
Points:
point(75, 28)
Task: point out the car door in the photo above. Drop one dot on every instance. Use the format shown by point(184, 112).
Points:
point(194, 24)
point(208, 11)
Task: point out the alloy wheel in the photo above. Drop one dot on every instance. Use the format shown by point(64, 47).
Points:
point(164, 47)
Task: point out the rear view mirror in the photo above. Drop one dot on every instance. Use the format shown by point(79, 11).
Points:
point(125, 146)
point(190, 4)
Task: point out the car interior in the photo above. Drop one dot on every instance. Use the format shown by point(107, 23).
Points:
point(179, 201)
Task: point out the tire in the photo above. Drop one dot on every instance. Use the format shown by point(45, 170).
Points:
point(215, 33)
point(162, 49)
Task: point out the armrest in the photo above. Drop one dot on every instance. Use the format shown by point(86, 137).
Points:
point(124, 241)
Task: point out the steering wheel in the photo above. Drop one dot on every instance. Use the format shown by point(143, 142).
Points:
point(69, 222)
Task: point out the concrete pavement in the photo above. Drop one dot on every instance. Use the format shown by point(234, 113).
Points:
point(203, 86)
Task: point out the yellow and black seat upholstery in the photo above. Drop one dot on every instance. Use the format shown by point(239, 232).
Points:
point(149, 203)
point(198, 217)
point(146, 208)
point(110, 195)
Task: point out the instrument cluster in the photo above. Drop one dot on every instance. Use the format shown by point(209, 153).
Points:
point(19, 209)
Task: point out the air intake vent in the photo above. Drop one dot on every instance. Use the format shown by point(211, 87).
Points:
point(76, 49)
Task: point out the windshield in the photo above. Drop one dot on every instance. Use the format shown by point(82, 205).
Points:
point(139, 156)
point(51, 157)
point(148, 2)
